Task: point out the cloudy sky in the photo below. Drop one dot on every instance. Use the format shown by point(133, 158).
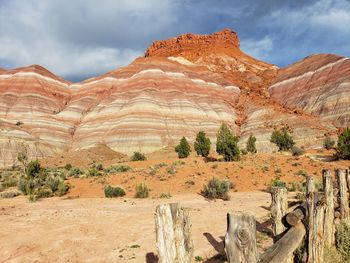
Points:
point(83, 38)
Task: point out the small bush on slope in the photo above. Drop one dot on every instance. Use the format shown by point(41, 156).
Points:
point(111, 191)
point(142, 191)
point(217, 189)
point(137, 156)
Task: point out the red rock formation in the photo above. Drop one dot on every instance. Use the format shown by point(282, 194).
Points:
point(220, 53)
point(319, 84)
point(193, 43)
point(183, 85)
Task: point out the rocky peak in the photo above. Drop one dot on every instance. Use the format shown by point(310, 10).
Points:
point(177, 45)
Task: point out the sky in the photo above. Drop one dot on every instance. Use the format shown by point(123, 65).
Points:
point(77, 39)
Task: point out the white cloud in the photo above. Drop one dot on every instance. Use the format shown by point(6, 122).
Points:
point(323, 15)
point(79, 38)
point(257, 48)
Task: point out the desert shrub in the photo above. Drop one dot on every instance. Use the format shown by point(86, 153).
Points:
point(97, 166)
point(22, 157)
point(282, 139)
point(301, 172)
point(2, 188)
point(52, 183)
point(142, 191)
point(171, 169)
point(342, 240)
point(296, 151)
point(226, 144)
point(296, 187)
point(198, 259)
point(202, 144)
point(75, 171)
point(217, 189)
point(276, 182)
point(40, 182)
point(44, 192)
point(118, 169)
point(265, 169)
point(111, 191)
point(251, 144)
point(10, 193)
point(183, 149)
point(165, 195)
point(94, 172)
point(343, 146)
point(62, 188)
point(137, 156)
point(328, 143)
point(33, 168)
point(9, 182)
point(160, 165)
point(68, 167)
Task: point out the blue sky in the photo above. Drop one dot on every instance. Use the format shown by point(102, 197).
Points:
point(82, 38)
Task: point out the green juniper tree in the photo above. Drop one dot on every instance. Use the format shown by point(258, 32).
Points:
point(343, 146)
point(183, 149)
point(226, 144)
point(202, 144)
point(282, 139)
point(251, 144)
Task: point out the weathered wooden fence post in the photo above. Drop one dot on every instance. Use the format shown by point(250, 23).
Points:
point(329, 212)
point(279, 208)
point(316, 213)
point(310, 184)
point(343, 194)
point(240, 238)
point(173, 234)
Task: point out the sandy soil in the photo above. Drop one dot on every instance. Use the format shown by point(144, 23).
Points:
point(252, 173)
point(104, 230)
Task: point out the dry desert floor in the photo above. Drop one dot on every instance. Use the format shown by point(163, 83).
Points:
point(111, 230)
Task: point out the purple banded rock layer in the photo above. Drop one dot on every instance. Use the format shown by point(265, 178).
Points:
point(319, 84)
point(144, 107)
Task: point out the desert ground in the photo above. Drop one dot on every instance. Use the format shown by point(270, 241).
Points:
point(84, 226)
point(110, 230)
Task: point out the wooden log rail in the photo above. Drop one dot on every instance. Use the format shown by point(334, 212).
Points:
point(313, 221)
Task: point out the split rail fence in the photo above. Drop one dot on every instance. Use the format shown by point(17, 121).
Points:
point(312, 224)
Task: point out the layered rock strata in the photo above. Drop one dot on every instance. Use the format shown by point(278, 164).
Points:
point(319, 84)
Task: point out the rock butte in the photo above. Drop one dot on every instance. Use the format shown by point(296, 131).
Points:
point(181, 86)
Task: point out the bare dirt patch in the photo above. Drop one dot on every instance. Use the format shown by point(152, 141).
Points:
point(110, 230)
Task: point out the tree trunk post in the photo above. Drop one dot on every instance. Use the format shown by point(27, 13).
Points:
point(343, 194)
point(329, 209)
point(315, 228)
point(279, 208)
point(240, 238)
point(310, 184)
point(173, 234)
point(348, 180)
